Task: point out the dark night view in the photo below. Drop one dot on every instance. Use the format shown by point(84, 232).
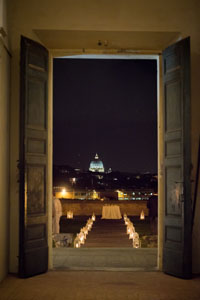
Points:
point(109, 107)
point(105, 150)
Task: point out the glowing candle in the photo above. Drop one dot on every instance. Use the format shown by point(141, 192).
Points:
point(70, 214)
point(142, 215)
point(93, 217)
point(76, 243)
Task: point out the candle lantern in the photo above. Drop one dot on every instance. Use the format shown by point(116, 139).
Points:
point(127, 221)
point(136, 243)
point(85, 230)
point(81, 237)
point(70, 214)
point(128, 231)
point(93, 217)
point(77, 243)
point(142, 215)
point(131, 235)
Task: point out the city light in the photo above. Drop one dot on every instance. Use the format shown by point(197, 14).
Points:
point(95, 195)
point(63, 192)
point(73, 180)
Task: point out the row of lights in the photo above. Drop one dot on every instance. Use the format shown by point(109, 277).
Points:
point(94, 193)
point(81, 236)
point(131, 232)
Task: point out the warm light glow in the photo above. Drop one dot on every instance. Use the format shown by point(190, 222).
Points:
point(63, 192)
point(131, 231)
point(126, 221)
point(136, 243)
point(142, 215)
point(128, 229)
point(85, 230)
point(70, 214)
point(81, 237)
point(89, 227)
point(76, 243)
point(120, 195)
point(94, 194)
point(93, 217)
point(131, 235)
point(89, 224)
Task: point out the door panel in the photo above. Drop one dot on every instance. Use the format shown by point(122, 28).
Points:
point(177, 216)
point(33, 258)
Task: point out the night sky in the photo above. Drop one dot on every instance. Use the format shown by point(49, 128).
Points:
point(107, 107)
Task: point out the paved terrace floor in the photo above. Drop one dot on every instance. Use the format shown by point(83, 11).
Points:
point(107, 247)
point(105, 259)
point(100, 285)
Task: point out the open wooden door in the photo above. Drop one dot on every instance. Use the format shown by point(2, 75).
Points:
point(177, 163)
point(33, 250)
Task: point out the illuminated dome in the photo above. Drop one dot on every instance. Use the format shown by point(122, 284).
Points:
point(96, 165)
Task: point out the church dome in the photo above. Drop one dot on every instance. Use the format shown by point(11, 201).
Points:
point(96, 165)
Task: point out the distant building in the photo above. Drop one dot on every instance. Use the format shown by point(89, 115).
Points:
point(96, 165)
point(63, 192)
point(66, 192)
point(70, 183)
point(135, 194)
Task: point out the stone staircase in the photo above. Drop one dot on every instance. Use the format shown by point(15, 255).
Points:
point(107, 233)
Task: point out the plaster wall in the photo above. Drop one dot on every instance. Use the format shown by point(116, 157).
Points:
point(4, 160)
point(107, 15)
point(4, 141)
point(3, 15)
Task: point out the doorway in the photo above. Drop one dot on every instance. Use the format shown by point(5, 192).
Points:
point(110, 58)
point(174, 208)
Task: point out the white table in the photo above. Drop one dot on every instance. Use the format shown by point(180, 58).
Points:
point(111, 212)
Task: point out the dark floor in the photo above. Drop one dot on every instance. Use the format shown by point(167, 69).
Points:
point(100, 285)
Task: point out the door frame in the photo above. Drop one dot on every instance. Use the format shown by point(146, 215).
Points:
point(160, 133)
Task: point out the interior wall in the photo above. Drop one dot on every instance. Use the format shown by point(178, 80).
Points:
point(4, 141)
point(3, 19)
point(4, 160)
point(119, 15)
